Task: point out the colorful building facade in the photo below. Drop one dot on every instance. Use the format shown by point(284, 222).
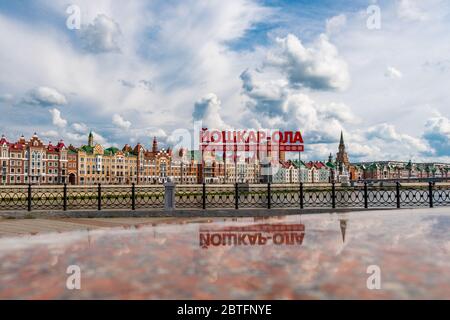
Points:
point(32, 161)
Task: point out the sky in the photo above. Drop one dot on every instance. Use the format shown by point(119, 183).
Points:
point(377, 70)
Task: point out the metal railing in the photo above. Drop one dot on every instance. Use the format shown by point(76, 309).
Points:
point(237, 196)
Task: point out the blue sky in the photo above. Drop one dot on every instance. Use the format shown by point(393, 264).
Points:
point(147, 68)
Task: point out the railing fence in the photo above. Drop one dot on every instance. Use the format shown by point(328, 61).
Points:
point(237, 196)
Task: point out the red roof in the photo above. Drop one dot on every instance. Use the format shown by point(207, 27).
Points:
point(15, 147)
point(60, 144)
point(285, 164)
point(3, 141)
point(51, 148)
point(319, 165)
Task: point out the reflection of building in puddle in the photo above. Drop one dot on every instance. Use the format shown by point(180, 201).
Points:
point(343, 225)
point(256, 219)
point(252, 235)
point(209, 264)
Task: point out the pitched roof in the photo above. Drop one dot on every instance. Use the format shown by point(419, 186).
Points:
point(3, 141)
point(319, 164)
point(298, 164)
point(111, 151)
point(330, 165)
point(15, 147)
point(87, 149)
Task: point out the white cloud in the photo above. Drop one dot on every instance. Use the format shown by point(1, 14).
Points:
point(273, 103)
point(57, 120)
point(338, 111)
point(6, 97)
point(207, 109)
point(158, 133)
point(45, 96)
point(409, 10)
point(317, 67)
point(335, 24)
point(120, 122)
point(437, 133)
point(393, 73)
point(383, 131)
point(386, 137)
point(80, 127)
point(51, 134)
point(76, 138)
point(103, 35)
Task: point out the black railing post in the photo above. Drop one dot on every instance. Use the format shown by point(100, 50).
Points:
point(430, 193)
point(204, 196)
point(269, 196)
point(398, 194)
point(99, 196)
point(65, 197)
point(301, 195)
point(366, 196)
point(333, 195)
point(236, 196)
point(133, 196)
point(29, 197)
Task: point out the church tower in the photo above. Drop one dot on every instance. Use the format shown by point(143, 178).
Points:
point(91, 140)
point(342, 156)
point(155, 145)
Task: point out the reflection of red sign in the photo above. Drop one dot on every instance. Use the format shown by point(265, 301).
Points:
point(251, 140)
point(253, 235)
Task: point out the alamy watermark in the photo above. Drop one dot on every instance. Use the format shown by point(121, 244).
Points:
point(73, 21)
point(374, 17)
point(374, 280)
point(73, 281)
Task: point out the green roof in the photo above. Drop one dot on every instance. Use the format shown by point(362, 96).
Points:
point(87, 149)
point(330, 165)
point(374, 166)
point(296, 164)
point(110, 151)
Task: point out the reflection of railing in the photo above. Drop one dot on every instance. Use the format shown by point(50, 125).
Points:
point(237, 196)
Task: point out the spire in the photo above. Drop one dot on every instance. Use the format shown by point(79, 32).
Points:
point(342, 139)
point(91, 139)
point(155, 145)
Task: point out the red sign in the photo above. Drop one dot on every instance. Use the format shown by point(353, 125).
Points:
point(251, 140)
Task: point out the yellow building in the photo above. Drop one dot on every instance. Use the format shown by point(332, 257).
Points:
point(106, 166)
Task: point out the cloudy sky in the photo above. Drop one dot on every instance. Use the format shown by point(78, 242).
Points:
point(378, 70)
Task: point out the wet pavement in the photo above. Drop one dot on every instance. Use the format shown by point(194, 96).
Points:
point(322, 256)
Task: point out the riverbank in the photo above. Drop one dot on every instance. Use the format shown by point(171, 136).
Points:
point(182, 213)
